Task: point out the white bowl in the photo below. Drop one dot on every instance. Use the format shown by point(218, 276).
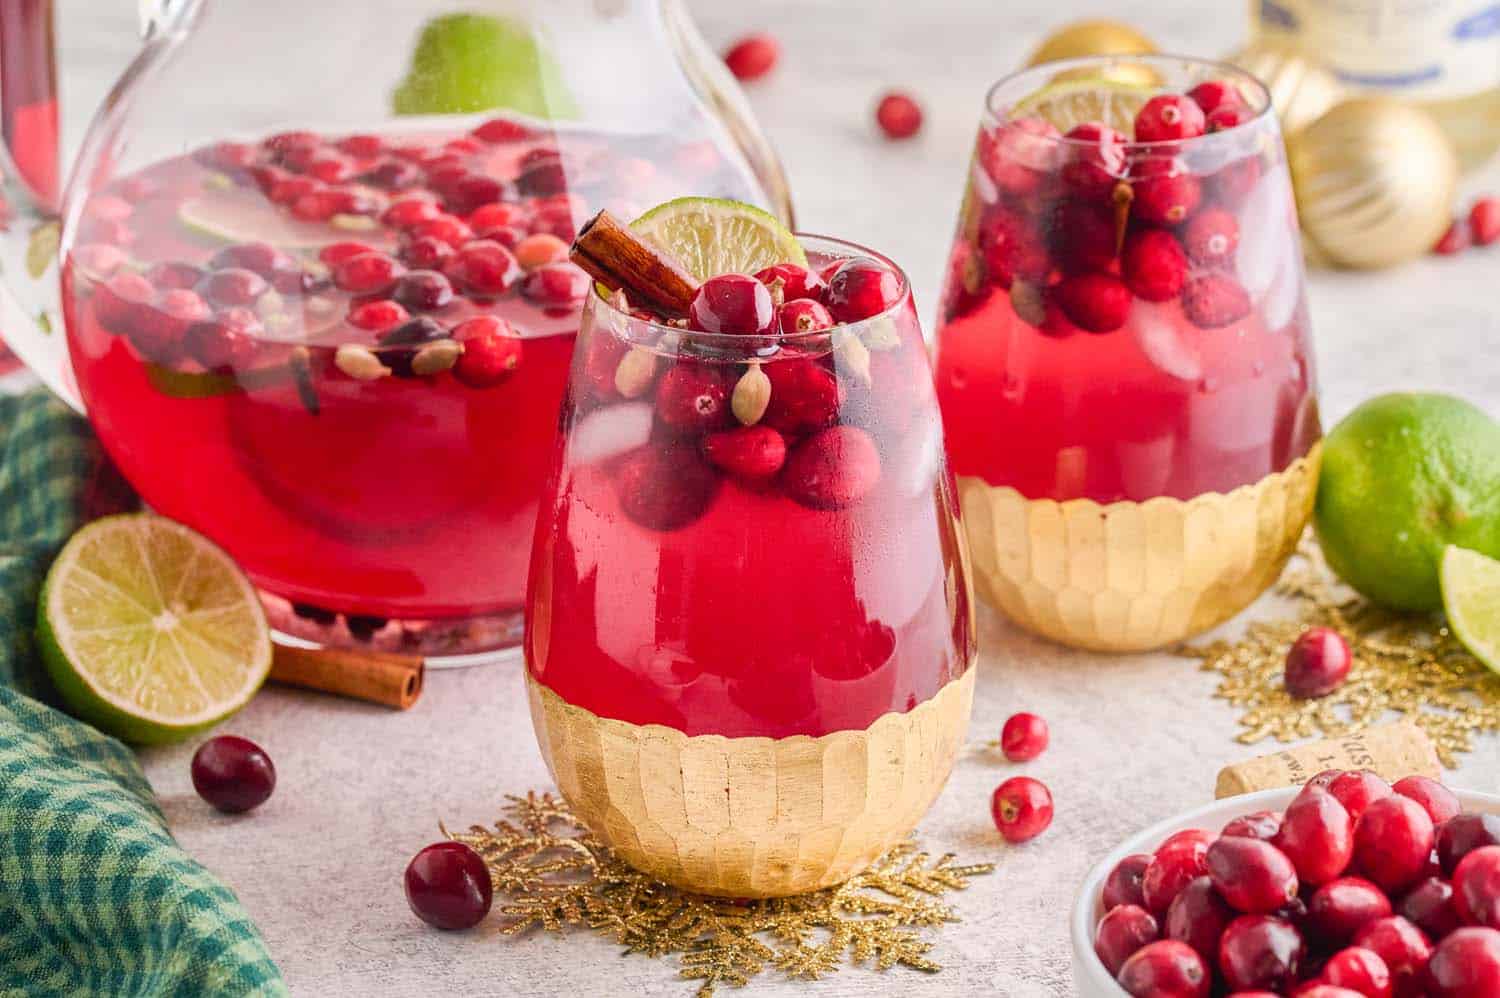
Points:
point(1092, 980)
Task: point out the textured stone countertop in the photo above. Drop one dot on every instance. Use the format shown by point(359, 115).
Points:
point(1135, 738)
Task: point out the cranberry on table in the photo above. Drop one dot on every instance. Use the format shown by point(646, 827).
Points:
point(1484, 221)
point(1358, 789)
point(1121, 932)
point(1466, 965)
point(1440, 803)
point(1024, 737)
point(1123, 885)
point(1404, 948)
point(732, 303)
point(1198, 916)
point(753, 56)
point(1317, 663)
point(860, 289)
point(1256, 825)
point(1476, 887)
point(1392, 842)
point(1360, 970)
point(233, 774)
point(1260, 952)
point(1165, 969)
point(1167, 117)
point(1455, 239)
point(1430, 907)
point(1461, 835)
point(1022, 808)
point(1253, 876)
point(1317, 835)
point(448, 886)
point(898, 115)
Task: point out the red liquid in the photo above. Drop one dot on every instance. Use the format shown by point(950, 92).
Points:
point(402, 497)
point(763, 616)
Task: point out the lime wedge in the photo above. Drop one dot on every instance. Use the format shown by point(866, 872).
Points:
point(238, 218)
point(710, 236)
point(1067, 102)
point(1471, 596)
point(150, 631)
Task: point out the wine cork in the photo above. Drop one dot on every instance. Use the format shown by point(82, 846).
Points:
point(1391, 750)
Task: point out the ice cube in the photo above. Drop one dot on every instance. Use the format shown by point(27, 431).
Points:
point(1165, 338)
point(1266, 241)
point(610, 432)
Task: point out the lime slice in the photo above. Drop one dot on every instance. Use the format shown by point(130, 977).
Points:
point(1068, 101)
point(1471, 596)
point(236, 218)
point(710, 236)
point(150, 631)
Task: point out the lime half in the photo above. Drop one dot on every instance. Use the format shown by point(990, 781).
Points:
point(1471, 596)
point(150, 631)
point(233, 218)
point(1068, 102)
point(711, 236)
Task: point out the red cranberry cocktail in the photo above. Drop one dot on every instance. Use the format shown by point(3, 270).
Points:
point(1124, 360)
point(341, 356)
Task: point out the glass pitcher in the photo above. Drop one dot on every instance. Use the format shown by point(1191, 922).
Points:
point(309, 282)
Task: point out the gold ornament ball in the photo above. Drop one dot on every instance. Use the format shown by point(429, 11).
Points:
point(1375, 182)
point(1301, 90)
point(1093, 37)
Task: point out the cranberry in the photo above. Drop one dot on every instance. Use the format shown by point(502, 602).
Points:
point(319, 205)
point(426, 253)
point(101, 259)
point(1257, 951)
point(754, 453)
point(1357, 790)
point(1213, 300)
point(1256, 825)
point(1339, 909)
point(410, 212)
point(1121, 932)
point(1021, 806)
point(1324, 779)
point(1165, 969)
point(449, 229)
point(174, 274)
point(1083, 234)
point(1313, 989)
point(1392, 841)
point(732, 303)
point(227, 156)
point(1211, 237)
point(234, 286)
point(1254, 876)
point(1227, 116)
point(1171, 869)
point(361, 146)
point(472, 192)
point(1317, 663)
point(834, 468)
point(287, 189)
point(376, 316)
point(1360, 970)
point(492, 351)
point(448, 886)
point(898, 115)
point(803, 315)
point(664, 487)
point(423, 290)
point(120, 302)
point(1020, 154)
point(1024, 737)
point(331, 169)
point(1317, 835)
point(233, 774)
point(796, 282)
point(227, 342)
point(1210, 95)
point(805, 396)
point(1476, 887)
point(753, 56)
point(693, 397)
point(1231, 185)
point(1439, 802)
point(1153, 265)
point(261, 258)
point(1013, 248)
point(1163, 191)
point(1455, 239)
point(1461, 835)
point(1097, 302)
point(1167, 117)
point(1198, 916)
point(1096, 159)
point(1123, 885)
point(336, 253)
point(158, 330)
point(540, 249)
point(557, 284)
point(1466, 965)
point(367, 274)
point(1430, 906)
point(860, 289)
point(1484, 221)
point(544, 176)
point(1401, 945)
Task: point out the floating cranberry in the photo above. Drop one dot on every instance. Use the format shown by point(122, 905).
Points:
point(474, 191)
point(426, 253)
point(732, 303)
point(449, 229)
point(1392, 841)
point(261, 258)
point(1465, 965)
point(101, 259)
point(1123, 885)
point(1464, 833)
point(158, 330)
point(1153, 265)
point(1258, 951)
point(1163, 191)
point(1455, 239)
point(753, 453)
point(226, 342)
point(796, 282)
point(1317, 835)
point(805, 396)
point(1173, 867)
point(361, 146)
point(423, 290)
point(289, 189)
point(1097, 302)
point(1096, 159)
point(664, 487)
point(367, 274)
point(330, 169)
point(1168, 117)
point(1430, 906)
point(1120, 933)
point(1310, 989)
point(833, 469)
point(233, 286)
point(410, 212)
point(544, 176)
point(693, 397)
point(1440, 803)
point(898, 115)
point(492, 351)
point(1211, 237)
point(1023, 737)
point(1198, 916)
point(319, 205)
point(1021, 806)
point(1020, 154)
point(376, 316)
point(511, 237)
point(753, 56)
point(233, 774)
point(1403, 948)
point(1253, 876)
point(448, 886)
point(540, 249)
point(174, 274)
point(1210, 95)
point(1214, 300)
point(493, 215)
point(336, 253)
point(1317, 663)
point(1360, 970)
point(1012, 247)
point(1357, 790)
point(227, 156)
point(1339, 909)
point(1484, 221)
point(1256, 825)
point(1227, 116)
point(498, 130)
point(559, 285)
point(1476, 887)
point(392, 174)
point(1165, 969)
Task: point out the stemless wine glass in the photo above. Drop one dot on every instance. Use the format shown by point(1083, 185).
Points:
point(749, 635)
point(1124, 364)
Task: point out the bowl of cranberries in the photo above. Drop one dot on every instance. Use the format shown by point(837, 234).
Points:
point(1347, 887)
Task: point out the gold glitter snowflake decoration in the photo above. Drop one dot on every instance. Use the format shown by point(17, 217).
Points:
point(551, 873)
point(1406, 664)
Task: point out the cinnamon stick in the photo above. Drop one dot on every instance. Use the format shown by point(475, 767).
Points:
point(377, 677)
point(620, 260)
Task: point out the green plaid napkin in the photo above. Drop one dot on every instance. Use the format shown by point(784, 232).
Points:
point(95, 897)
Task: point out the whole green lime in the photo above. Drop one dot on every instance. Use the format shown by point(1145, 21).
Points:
point(1405, 475)
point(477, 62)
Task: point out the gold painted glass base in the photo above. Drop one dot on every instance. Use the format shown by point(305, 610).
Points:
point(751, 817)
point(1130, 576)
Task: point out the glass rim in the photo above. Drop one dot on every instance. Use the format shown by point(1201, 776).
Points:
point(750, 343)
point(998, 112)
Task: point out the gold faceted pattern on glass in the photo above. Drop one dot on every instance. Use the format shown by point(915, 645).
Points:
point(1130, 576)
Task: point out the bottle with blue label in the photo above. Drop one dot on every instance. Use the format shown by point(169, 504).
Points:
point(1441, 54)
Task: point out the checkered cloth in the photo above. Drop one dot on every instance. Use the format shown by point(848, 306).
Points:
point(96, 898)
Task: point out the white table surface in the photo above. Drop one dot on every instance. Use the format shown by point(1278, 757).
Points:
point(1135, 738)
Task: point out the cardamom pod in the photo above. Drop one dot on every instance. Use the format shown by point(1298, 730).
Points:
point(360, 363)
point(751, 395)
point(635, 373)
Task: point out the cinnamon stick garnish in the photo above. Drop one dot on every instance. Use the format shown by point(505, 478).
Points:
point(385, 678)
point(620, 260)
